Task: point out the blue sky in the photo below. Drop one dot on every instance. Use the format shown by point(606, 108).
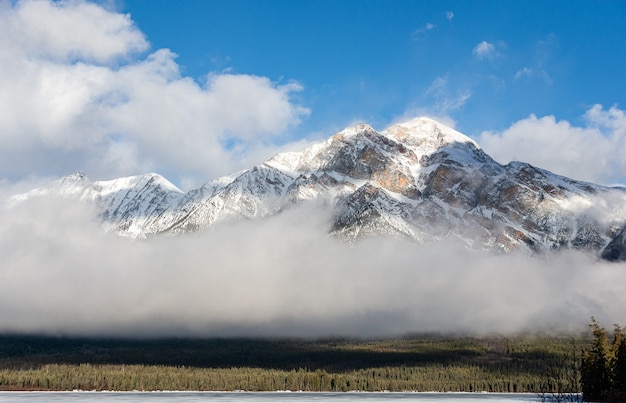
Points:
point(198, 89)
point(378, 60)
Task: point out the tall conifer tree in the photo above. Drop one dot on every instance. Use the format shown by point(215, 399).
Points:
point(595, 370)
point(619, 366)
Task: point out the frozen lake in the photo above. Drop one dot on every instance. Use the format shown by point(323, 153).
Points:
point(137, 397)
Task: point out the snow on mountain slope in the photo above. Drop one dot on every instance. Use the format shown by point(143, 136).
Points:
point(131, 204)
point(126, 205)
point(418, 180)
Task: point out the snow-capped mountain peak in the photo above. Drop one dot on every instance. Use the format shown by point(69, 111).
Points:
point(133, 183)
point(426, 129)
point(419, 180)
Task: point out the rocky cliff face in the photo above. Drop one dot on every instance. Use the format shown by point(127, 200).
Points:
point(418, 180)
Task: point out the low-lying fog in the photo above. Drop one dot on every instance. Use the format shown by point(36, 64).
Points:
point(282, 277)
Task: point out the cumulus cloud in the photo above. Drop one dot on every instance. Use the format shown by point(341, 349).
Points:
point(67, 31)
point(595, 151)
point(80, 93)
point(484, 51)
point(279, 277)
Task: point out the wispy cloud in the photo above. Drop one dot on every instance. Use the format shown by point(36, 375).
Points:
point(539, 64)
point(438, 86)
point(219, 61)
point(445, 101)
point(439, 102)
point(526, 72)
point(420, 32)
point(484, 51)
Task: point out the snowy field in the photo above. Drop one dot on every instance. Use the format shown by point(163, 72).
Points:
point(180, 397)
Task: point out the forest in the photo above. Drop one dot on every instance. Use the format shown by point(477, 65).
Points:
point(531, 363)
point(590, 367)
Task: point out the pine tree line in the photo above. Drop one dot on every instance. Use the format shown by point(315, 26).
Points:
point(139, 377)
point(429, 363)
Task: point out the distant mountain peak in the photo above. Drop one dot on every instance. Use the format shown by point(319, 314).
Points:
point(426, 129)
point(77, 176)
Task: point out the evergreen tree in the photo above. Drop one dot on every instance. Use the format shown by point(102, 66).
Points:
point(619, 366)
point(595, 371)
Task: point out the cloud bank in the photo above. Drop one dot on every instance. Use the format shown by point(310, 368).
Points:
point(79, 92)
point(281, 277)
point(595, 151)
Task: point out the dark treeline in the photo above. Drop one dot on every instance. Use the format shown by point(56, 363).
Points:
point(421, 363)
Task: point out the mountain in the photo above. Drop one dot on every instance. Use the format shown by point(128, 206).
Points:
point(418, 180)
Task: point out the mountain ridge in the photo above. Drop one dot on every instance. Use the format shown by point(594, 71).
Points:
point(417, 180)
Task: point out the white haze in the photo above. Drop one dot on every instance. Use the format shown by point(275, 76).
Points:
point(280, 277)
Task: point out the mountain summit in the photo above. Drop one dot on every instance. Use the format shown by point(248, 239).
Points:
point(418, 180)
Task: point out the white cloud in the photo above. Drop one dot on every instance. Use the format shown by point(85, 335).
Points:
point(77, 94)
point(484, 51)
point(613, 120)
point(594, 152)
point(68, 30)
